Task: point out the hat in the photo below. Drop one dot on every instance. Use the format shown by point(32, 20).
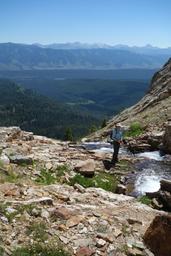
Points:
point(118, 125)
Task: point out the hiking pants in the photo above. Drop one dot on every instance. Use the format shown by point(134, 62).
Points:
point(116, 146)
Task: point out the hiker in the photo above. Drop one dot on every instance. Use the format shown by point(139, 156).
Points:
point(116, 135)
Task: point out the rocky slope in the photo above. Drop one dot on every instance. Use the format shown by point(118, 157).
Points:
point(153, 110)
point(38, 209)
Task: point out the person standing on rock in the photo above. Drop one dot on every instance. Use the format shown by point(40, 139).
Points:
point(116, 135)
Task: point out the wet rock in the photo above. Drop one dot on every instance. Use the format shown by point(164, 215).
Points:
point(86, 168)
point(165, 185)
point(121, 189)
point(158, 236)
point(165, 200)
point(156, 204)
point(155, 139)
point(167, 139)
point(138, 146)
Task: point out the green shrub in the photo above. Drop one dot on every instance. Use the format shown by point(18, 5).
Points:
point(135, 129)
point(41, 250)
point(61, 170)
point(1, 251)
point(52, 176)
point(144, 200)
point(46, 177)
point(38, 231)
point(101, 180)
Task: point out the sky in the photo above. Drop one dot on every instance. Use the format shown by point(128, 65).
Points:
point(131, 22)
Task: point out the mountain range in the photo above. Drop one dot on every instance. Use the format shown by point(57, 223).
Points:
point(33, 57)
point(147, 49)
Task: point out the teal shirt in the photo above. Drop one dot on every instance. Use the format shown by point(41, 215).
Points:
point(116, 134)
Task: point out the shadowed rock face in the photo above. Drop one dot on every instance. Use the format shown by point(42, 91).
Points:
point(167, 139)
point(158, 236)
point(153, 110)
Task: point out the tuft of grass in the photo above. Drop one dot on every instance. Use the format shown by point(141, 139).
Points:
point(1, 251)
point(145, 200)
point(20, 209)
point(135, 129)
point(38, 230)
point(46, 177)
point(50, 177)
point(41, 250)
point(12, 177)
point(101, 180)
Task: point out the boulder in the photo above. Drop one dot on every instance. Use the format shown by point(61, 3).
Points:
point(165, 200)
point(165, 185)
point(138, 146)
point(4, 160)
point(167, 139)
point(19, 159)
point(155, 139)
point(121, 189)
point(158, 236)
point(86, 168)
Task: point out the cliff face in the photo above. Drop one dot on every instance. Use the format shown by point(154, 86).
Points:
point(153, 110)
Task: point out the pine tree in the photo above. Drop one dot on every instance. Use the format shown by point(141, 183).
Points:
point(68, 135)
point(103, 123)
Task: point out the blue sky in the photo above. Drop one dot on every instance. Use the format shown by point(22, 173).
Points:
point(132, 22)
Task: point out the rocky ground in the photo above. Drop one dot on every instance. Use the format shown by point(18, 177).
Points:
point(41, 212)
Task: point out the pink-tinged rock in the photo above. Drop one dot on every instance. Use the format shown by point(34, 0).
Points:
point(85, 251)
point(62, 213)
point(74, 221)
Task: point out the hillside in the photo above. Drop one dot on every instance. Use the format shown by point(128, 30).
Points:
point(33, 112)
point(98, 97)
point(153, 110)
point(31, 57)
point(44, 211)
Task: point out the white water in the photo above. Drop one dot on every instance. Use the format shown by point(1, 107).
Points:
point(154, 155)
point(147, 181)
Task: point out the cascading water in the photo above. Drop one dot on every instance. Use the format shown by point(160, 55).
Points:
point(149, 170)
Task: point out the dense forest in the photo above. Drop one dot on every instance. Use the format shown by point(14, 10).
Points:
point(37, 113)
point(98, 97)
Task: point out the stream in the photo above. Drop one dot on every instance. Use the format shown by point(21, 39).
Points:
point(149, 169)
